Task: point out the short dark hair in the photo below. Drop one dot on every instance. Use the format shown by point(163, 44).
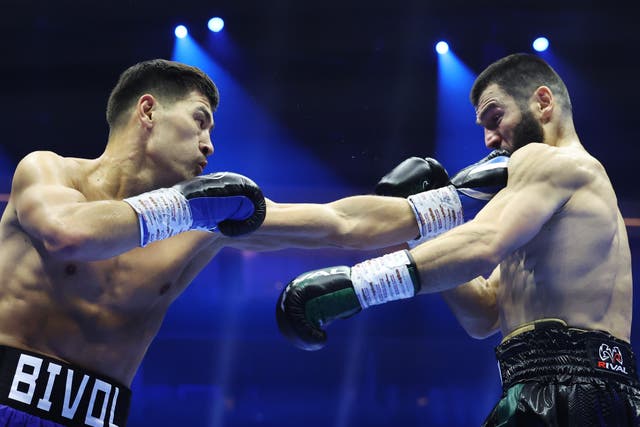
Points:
point(519, 75)
point(159, 77)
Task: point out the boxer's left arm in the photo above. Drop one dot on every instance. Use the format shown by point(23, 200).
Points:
point(371, 222)
point(356, 222)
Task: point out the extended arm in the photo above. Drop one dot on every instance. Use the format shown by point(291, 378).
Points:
point(371, 222)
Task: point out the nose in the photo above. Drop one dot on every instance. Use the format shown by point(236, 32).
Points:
point(206, 146)
point(492, 139)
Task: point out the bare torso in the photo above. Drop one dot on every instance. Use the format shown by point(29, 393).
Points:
point(577, 268)
point(101, 315)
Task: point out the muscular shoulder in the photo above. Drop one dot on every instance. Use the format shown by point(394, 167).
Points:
point(563, 167)
point(40, 159)
point(42, 167)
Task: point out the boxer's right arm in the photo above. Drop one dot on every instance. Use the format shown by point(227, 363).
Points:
point(475, 305)
point(59, 216)
point(69, 226)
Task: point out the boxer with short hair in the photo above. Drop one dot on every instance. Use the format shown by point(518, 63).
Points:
point(546, 262)
point(94, 251)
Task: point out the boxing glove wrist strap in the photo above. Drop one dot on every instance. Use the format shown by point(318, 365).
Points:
point(384, 279)
point(436, 211)
point(161, 213)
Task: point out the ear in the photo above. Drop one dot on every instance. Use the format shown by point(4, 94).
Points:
point(545, 101)
point(145, 108)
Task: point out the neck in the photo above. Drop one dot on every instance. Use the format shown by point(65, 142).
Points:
point(562, 134)
point(124, 168)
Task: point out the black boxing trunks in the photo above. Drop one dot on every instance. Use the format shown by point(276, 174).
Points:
point(36, 390)
point(554, 375)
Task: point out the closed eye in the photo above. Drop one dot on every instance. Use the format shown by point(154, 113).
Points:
point(491, 121)
point(204, 119)
point(491, 116)
point(202, 122)
point(494, 122)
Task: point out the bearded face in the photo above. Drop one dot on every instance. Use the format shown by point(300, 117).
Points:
point(528, 130)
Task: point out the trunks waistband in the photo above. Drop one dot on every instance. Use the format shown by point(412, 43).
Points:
point(552, 351)
point(51, 389)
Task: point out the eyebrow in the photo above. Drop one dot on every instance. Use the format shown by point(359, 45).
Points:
point(487, 108)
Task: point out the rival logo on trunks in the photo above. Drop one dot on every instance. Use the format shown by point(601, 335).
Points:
point(24, 384)
point(611, 359)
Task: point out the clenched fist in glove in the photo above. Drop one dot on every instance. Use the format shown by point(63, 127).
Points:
point(314, 299)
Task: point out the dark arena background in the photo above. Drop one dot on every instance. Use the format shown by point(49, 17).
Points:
point(319, 99)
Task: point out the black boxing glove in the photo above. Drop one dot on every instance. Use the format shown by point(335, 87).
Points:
point(313, 300)
point(479, 182)
point(225, 201)
point(414, 175)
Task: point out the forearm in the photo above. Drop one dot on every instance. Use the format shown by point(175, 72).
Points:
point(475, 306)
point(456, 257)
point(358, 222)
point(314, 299)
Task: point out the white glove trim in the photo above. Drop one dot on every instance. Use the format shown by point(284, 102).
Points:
point(495, 163)
point(479, 195)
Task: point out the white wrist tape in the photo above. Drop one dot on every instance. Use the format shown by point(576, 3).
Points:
point(436, 211)
point(161, 213)
point(383, 279)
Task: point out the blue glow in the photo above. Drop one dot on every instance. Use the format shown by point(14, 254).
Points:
point(181, 31)
point(7, 167)
point(541, 44)
point(459, 141)
point(442, 47)
point(248, 141)
point(216, 24)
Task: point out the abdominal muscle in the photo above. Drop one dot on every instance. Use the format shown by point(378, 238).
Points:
point(579, 275)
point(100, 315)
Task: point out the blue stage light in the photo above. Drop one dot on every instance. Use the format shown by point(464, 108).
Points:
point(216, 24)
point(540, 44)
point(442, 47)
point(181, 31)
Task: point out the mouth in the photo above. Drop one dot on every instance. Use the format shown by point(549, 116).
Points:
point(202, 165)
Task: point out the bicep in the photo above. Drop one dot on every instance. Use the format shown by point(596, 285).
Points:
point(41, 208)
point(535, 192)
point(40, 195)
point(518, 215)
